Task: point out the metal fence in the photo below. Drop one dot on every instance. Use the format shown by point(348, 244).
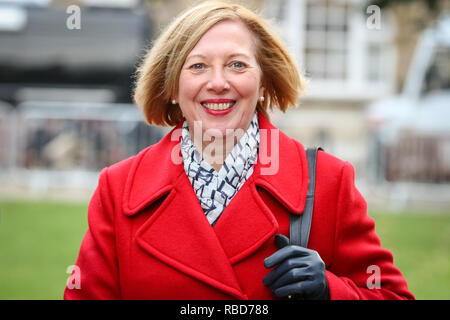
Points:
point(412, 157)
point(411, 171)
point(60, 144)
point(420, 158)
point(5, 135)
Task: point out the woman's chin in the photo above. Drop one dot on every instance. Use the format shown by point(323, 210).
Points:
point(223, 131)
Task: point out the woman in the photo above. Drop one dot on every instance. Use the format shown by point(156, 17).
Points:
point(195, 216)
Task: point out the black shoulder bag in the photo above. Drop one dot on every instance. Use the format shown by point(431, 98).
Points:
point(300, 224)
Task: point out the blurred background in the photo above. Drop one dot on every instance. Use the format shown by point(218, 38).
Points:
point(378, 96)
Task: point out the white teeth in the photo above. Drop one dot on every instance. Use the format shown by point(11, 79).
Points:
point(218, 106)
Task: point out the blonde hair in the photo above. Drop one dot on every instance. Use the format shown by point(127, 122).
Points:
point(158, 75)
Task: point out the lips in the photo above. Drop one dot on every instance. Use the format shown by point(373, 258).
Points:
point(218, 104)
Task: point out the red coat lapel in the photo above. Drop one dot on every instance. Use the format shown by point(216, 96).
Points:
point(153, 173)
point(245, 224)
point(289, 183)
point(179, 234)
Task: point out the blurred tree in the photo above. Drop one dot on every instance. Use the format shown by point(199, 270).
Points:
point(411, 18)
point(163, 11)
point(433, 8)
point(432, 5)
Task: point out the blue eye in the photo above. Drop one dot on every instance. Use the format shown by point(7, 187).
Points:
point(197, 66)
point(238, 65)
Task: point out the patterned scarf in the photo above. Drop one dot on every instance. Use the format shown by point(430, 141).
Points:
point(214, 189)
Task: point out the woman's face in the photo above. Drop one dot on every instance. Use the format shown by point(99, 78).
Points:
point(220, 81)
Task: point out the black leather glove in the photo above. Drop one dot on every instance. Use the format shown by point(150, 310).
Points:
point(300, 273)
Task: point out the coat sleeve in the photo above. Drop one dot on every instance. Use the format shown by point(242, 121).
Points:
point(360, 267)
point(95, 275)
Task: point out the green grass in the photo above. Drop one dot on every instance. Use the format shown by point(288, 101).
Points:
point(39, 240)
point(420, 244)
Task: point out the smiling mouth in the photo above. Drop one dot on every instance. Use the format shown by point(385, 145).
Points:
point(218, 106)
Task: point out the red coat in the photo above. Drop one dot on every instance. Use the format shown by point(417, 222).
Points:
point(148, 237)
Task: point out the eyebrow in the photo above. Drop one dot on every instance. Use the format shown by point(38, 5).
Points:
point(233, 55)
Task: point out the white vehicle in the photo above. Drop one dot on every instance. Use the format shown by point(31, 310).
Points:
point(411, 131)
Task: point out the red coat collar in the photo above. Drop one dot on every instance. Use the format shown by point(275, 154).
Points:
point(156, 169)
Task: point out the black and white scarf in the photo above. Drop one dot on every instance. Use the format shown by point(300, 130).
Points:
point(214, 189)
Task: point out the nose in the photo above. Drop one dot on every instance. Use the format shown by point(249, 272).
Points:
point(218, 81)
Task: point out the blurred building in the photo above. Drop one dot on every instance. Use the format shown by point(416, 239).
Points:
point(349, 58)
point(71, 50)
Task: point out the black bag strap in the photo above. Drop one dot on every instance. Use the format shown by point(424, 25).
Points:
point(300, 224)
